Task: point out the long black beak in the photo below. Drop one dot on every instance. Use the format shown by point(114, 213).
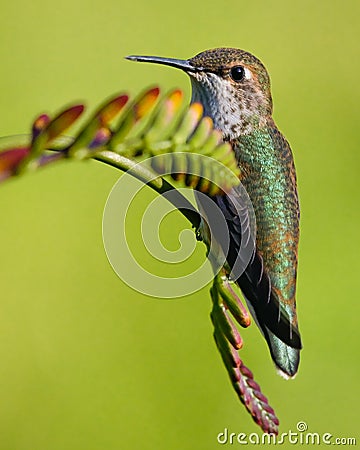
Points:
point(178, 63)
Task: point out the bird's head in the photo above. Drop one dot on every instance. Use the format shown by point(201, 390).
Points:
point(232, 85)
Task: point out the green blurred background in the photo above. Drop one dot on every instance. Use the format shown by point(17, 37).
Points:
point(86, 362)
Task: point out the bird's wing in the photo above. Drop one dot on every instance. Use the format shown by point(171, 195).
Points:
point(246, 264)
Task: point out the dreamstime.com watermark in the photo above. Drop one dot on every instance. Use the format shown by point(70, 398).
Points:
point(121, 251)
point(299, 437)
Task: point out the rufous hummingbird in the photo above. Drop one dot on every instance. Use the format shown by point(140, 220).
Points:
point(234, 88)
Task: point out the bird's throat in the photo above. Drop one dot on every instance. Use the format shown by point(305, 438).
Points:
point(230, 116)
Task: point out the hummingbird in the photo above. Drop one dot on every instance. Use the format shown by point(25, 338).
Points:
point(233, 87)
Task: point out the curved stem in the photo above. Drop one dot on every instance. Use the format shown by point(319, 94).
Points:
point(158, 184)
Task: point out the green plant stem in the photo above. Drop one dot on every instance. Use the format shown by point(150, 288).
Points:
point(158, 184)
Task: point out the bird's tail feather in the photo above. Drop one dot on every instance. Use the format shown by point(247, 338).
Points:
point(286, 358)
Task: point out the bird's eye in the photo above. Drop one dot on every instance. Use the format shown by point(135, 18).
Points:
point(237, 73)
